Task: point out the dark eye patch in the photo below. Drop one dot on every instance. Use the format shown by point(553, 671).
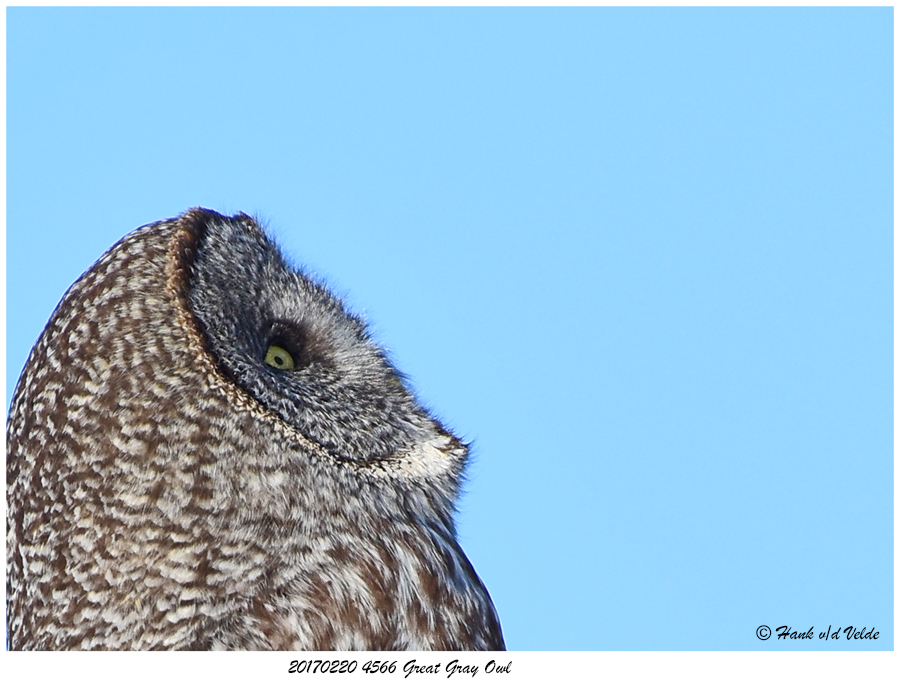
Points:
point(296, 340)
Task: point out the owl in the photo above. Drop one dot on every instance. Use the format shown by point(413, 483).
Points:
point(206, 450)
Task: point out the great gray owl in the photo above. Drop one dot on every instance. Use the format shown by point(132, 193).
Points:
point(205, 450)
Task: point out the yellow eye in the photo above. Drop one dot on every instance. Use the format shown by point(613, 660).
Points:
point(279, 358)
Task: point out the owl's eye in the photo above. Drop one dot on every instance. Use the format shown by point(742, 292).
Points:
point(279, 358)
point(289, 347)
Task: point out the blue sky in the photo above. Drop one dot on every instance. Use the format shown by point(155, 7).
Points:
point(641, 258)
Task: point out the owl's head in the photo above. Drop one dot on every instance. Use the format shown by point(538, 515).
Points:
point(292, 346)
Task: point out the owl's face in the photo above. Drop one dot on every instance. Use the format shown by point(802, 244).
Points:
point(292, 346)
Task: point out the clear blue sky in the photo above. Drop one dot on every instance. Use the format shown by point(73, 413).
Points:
point(642, 258)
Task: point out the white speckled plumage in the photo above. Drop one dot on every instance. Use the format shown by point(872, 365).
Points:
point(166, 489)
